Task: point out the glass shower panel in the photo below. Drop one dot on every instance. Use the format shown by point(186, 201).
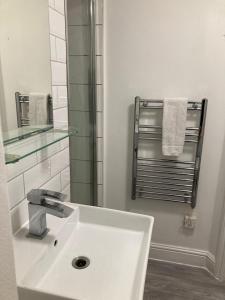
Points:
point(81, 110)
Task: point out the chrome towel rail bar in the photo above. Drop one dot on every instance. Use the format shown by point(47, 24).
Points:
point(160, 107)
point(145, 187)
point(167, 161)
point(160, 178)
point(160, 135)
point(163, 194)
point(160, 127)
point(187, 201)
point(150, 101)
point(164, 172)
point(165, 183)
point(158, 139)
point(167, 178)
point(166, 166)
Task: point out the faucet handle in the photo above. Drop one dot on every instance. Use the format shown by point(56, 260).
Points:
point(38, 196)
point(54, 195)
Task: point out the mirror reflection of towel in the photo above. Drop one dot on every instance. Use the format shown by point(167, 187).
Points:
point(38, 109)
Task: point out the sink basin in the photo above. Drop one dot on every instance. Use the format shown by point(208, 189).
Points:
point(116, 245)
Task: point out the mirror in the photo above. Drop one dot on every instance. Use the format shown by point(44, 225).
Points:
point(25, 64)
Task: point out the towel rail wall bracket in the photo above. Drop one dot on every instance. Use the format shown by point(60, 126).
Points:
point(163, 178)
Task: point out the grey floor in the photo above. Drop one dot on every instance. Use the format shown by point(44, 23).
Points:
point(165, 281)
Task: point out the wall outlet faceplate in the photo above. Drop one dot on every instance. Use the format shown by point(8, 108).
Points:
point(190, 222)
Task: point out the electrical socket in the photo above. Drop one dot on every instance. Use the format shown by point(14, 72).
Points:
point(190, 222)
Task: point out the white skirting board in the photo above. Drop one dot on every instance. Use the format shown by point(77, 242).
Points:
point(185, 256)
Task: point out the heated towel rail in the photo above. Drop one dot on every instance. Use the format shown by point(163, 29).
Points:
point(158, 177)
point(22, 109)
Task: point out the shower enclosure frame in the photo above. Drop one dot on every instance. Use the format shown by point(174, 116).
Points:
point(93, 97)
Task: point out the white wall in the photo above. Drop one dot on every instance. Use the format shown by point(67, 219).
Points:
point(24, 51)
point(8, 290)
point(159, 49)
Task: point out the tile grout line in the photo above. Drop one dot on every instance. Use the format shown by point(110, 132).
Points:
point(48, 180)
point(57, 11)
point(37, 163)
point(57, 36)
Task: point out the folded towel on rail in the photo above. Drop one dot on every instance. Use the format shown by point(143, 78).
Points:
point(174, 126)
point(38, 108)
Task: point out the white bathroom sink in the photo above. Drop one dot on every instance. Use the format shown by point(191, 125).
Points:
point(116, 243)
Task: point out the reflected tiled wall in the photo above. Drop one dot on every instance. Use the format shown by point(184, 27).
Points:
point(79, 109)
point(48, 168)
point(58, 61)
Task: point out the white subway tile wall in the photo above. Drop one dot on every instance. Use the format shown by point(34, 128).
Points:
point(20, 167)
point(59, 161)
point(48, 152)
point(53, 184)
point(37, 176)
point(58, 73)
point(57, 23)
point(51, 3)
point(65, 178)
point(19, 215)
point(66, 192)
point(79, 109)
point(16, 191)
point(60, 6)
point(53, 47)
point(60, 116)
point(60, 50)
point(48, 168)
point(59, 95)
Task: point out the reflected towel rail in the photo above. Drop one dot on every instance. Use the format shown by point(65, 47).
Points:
point(22, 109)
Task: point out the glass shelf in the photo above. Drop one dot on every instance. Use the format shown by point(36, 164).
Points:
point(15, 135)
point(23, 148)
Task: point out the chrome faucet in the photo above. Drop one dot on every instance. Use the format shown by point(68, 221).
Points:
point(42, 202)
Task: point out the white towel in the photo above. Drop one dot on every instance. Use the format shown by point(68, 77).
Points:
point(8, 290)
point(38, 109)
point(174, 126)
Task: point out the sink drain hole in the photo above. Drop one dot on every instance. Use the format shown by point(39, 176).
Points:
point(80, 262)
